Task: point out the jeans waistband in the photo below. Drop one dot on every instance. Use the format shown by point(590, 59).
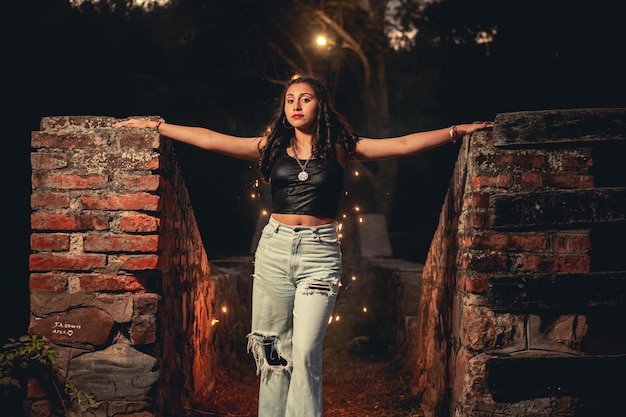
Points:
point(324, 228)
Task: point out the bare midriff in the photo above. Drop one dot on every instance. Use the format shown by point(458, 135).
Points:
point(302, 219)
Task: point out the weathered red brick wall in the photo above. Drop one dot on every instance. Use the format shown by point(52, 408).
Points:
point(120, 282)
point(522, 301)
point(522, 306)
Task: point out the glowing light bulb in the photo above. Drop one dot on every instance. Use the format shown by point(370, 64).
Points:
point(224, 309)
point(365, 309)
point(214, 322)
point(321, 40)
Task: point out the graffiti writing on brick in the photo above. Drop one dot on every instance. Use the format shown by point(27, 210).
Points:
point(66, 329)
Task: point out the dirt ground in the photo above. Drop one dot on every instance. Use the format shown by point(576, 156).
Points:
point(356, 384)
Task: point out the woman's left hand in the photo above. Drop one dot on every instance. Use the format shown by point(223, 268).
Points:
point(466, 129)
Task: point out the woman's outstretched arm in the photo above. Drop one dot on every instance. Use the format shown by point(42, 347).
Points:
point(368, 149)
point(210, 140)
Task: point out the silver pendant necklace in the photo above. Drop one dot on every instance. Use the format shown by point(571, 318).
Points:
point(302, 175)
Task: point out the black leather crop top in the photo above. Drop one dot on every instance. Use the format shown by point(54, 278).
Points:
point(317, 196)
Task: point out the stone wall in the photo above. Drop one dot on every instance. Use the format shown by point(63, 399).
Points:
point(522, 306)
point(387, 288)
point(120, 283)
point(521, 301)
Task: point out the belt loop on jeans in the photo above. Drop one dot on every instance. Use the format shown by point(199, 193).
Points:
point(275, 225)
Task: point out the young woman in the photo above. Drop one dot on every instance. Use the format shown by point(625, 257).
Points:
point(302, 155)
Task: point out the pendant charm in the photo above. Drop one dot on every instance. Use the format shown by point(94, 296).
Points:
point(302, 175)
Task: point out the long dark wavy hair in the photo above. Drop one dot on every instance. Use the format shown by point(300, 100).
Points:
point(332, 129)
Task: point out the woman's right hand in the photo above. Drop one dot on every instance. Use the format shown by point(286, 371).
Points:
point(137, 123)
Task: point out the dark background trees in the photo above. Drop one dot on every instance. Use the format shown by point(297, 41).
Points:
point(217, 64)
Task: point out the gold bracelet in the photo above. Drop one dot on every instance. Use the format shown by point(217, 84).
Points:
point(454, 134)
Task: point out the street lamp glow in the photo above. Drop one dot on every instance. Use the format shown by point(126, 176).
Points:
point(321, 40)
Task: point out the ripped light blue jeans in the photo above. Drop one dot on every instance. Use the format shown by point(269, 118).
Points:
point(296, 277)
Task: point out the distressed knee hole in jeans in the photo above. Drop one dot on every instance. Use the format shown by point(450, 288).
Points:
point(264, 348)
point(320, 286)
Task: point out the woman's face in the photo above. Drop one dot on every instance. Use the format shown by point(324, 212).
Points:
point(301, 107)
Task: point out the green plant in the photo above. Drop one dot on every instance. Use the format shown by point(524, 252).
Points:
point(31, 356)
point(28, 356)
point(82, 400)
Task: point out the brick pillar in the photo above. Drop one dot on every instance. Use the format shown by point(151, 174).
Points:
point(522, 302)
point(119, 280)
